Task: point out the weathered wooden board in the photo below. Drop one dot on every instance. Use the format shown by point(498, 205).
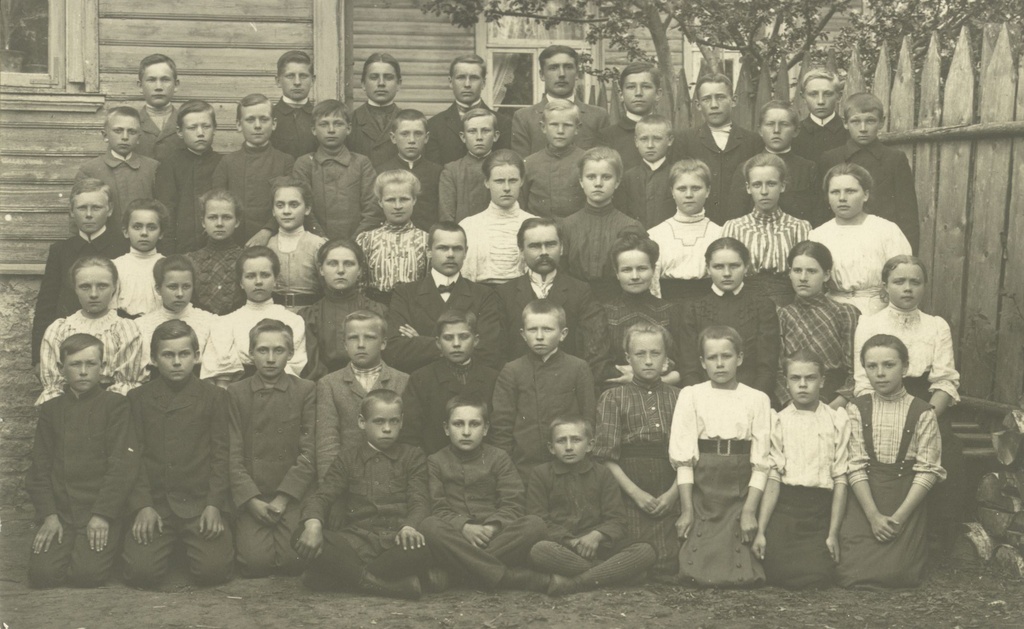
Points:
point(901, 100)
point(148, 33)
point(35, 225)
point(926, 163)
point(240, 10)
point(882, 82)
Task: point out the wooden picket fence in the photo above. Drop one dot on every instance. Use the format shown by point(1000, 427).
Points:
point(964, 136)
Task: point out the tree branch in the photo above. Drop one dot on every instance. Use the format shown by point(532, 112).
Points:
point(812, 35)
point(548, 18)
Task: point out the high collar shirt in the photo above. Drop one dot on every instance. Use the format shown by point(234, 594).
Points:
point(229, 349)
point(824, 327)
point(769, 237)
point(634, 413)
point(136, 291)
point(810, 448)
point(494, 254)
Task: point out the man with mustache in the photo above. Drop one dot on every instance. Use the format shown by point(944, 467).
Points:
point(540, 242)
point(559, 66)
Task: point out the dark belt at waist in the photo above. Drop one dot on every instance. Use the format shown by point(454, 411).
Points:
point(723, 446)
point(290, 300)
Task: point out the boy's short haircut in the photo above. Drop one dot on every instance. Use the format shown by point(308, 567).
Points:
point(250, 101)
point(455, 316)
point(602, 154)
point(92, 260)
point(381, 57)
point(87, 185)
point(271, 325)
point(803, 356)
point(366, 315)
point(690, 166)
point(720, 333)
point(173, 262)
point(655, 120)
point(560, 104)
point(255, 253)
point(287, 181)
point(445, 226)
point(634, 241)
point(480, 112)
point(638, 329)
point(407, 115)
point(127, 112)
point(536, 221)
point(379, 396)
point(639, 67)
point(558, 49)
point(545, 307)
point(196, 107)
point(171, 331)
point(727, 243)
point(331, 107)
point(820, 73)
point(162, 215)
point(293, 56)
point(503, 157)
point(156, 59)
point(476, 60)
point(570, 420)
point(766, 160)
point(717, 79)
point(77, 343)
point(219, 194)
point(856, 171)
point(889, 341)
point(391, 177)
point(863, 103)
point(460, 401)
point(782, 105)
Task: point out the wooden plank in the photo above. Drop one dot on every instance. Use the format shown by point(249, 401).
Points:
point(75, 63)
point(398, 26)
point(39, 196)
point(742, 113)
point(682, 117)
point(954, 185)
point(328, 49)
point(1009, 382)
point(991, 183)
point(222, 61)
point(190, 9)
point(91, 45)
point(33, 167)
point(124, 87)
point(45, 138)
point(882, 82)
point(926, 166)
point(35, 225)
point(855, 73)
point(366, 47)
point(901, 99)
point(189, 32)
point(24, 251)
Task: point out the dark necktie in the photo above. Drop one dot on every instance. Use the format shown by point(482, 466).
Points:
point(445, 288)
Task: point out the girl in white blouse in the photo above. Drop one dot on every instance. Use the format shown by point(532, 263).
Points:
point(719, 445)
point(860, 243)
point(805, 500)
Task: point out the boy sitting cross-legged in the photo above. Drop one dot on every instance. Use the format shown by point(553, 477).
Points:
point(381, 485)
point(586, 545)
point(181, 424)
point(479, 524)
point(273, 419)
point(83, 465)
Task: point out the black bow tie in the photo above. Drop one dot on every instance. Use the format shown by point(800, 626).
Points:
point(445, 288)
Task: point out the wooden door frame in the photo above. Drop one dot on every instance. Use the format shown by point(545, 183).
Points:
point(332, 49)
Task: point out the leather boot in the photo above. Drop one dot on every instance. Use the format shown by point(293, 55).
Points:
point(406, 587)
point(524, 579)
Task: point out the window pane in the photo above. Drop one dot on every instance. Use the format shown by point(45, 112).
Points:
point(513, 28)
point(25, 35)
point(513, 76)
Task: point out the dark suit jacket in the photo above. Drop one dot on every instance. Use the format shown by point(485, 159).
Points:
point(181, 179)
point(698, 143)
point(621, 137)
point(419, 304)
point(893, 196)
point(183, 437)
point(813, 139)
point(803, 198)
point(367, 140)
point(294, 131)
point(527, 137)
point(429, 389)
point(156, 142)
point(445, 145)
point(588, 326)
point(57, 296)
point(429, 173)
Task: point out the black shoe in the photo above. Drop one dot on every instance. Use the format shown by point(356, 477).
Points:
point(560, 586)
point(525, 579)
point(406, 587)
point(437, 580)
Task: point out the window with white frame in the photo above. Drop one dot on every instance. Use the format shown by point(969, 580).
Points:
point(49, 46)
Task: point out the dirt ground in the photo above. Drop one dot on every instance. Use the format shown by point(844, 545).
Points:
point(959, 593)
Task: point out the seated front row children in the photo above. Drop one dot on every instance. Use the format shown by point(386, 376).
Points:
point(83, 466)
point(397, 250)
point(298, 283)
point(216, 289)
point(95, 282)
point(805, 500)
point(271, 450)
point(182, 490)
point(145, 221)
point(381, 487)
point(719, 445)
point(587, 545)
point(479, 525)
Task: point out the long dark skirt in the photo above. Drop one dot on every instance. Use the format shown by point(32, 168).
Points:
point(714, 554)
point(648, 466)
point(775, 286)
point(866, 562)
point(796, 556)
point(684, 290)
